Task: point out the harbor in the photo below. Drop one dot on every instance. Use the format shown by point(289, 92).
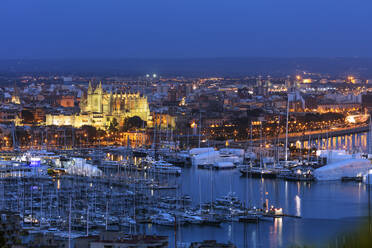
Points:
point(74, 194)
point(185, 124)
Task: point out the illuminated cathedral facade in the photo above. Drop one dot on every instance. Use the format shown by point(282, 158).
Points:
point(99, 108)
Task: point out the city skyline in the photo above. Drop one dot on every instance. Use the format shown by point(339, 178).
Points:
point(202, 67)
point(185, 123)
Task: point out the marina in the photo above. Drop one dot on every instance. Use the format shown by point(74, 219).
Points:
point(74, 197)
point(185, 124)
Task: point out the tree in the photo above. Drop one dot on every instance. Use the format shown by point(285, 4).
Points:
point(133, 123)
point(113, 125)
point(27, 116)
point(90, 131)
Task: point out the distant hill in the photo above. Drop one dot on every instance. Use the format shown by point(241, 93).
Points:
point(192, 67)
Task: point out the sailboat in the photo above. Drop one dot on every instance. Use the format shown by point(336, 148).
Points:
point(249, 215)
point(259, 172)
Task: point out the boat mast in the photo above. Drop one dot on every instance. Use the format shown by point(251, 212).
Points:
point(32, 207)
point(286, 129)
point(370, 136)
point(88, 220)
point(41, 207)
point(199, 129)
point(154, 136)
point(261, 155)
point(106, 213)
point(154, 141)
point(250, 159)
point(211, 179)
point(187, 138)
point(277, 154)
point(69, 226)
point(308, 144)
point(199, 194)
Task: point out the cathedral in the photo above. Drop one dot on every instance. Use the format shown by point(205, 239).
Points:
point(98, 108)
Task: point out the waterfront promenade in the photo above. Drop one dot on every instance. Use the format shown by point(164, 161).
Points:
point(318, 134)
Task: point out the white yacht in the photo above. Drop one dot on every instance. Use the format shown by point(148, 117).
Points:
point(163, 167)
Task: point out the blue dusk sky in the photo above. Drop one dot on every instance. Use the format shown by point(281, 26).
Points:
point(184, 28)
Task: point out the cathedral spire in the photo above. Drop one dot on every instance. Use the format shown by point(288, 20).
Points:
point(15, 96)
point(15, 89)
point(99, 89)
point(90, 90)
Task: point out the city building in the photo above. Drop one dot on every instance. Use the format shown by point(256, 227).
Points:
point(338, 107)
point(99, 108)
point(67, 101)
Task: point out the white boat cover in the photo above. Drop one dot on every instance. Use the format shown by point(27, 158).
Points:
point(214, 157)
point(367, 179)
point(250, 155)
point(232, 159)
point(196, 151)
point(336, 155)
point(81, 168)
point(234, 151)
point(345, 168)
point(223, 165)
point(206, 158)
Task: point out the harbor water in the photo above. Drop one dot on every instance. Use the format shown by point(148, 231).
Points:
point(327, 209)
point(318, 211)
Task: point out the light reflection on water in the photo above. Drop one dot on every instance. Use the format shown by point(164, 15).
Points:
point(298, 205)
point(276, 231)
point(254, 238)
point(229, 231)
point(324, 206)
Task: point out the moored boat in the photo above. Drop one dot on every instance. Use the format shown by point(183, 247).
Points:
point(259, 172)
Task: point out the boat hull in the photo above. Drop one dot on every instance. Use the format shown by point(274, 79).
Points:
point(258, 174)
